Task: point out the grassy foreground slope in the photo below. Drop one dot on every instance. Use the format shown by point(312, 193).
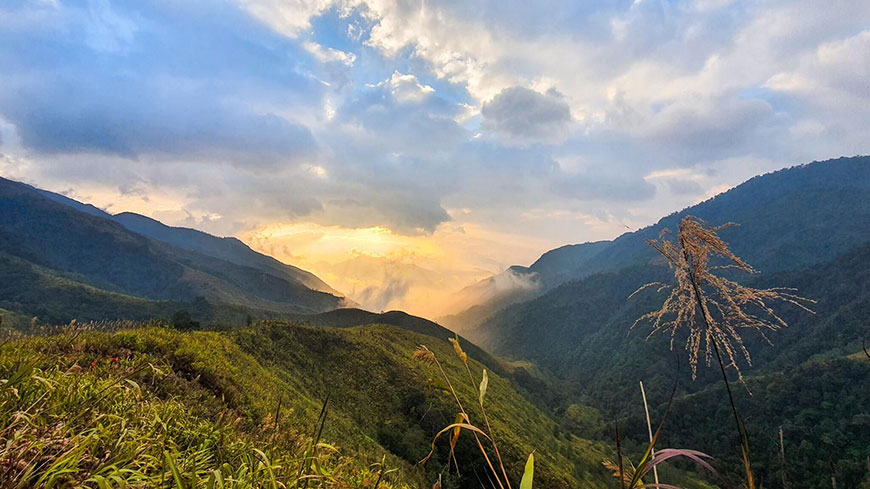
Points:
point(135, 405)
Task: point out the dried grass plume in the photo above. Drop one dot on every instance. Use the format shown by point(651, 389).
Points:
point(713, 309)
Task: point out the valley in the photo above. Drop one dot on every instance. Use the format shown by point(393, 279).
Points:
point(118, 323)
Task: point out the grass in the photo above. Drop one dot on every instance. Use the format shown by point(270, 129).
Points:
point(151, 406)
point(84, 413)
point(486, 439)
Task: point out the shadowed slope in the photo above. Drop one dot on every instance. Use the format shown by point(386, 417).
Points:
point(76, 242)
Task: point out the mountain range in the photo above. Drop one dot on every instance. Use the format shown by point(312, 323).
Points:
point(556, 336)
point(806, 228)
point(786, 220)
point(135, 267)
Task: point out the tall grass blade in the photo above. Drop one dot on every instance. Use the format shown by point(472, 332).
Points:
point(465, 426)
point(176, 475)
point(649, 430)
point(528, 473)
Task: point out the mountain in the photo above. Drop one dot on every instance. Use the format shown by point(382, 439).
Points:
point(78, 250)
point(564, 263)
point(806, 228)
point(352, 317)
point(787, 219)
point(229, 249)
point(519, 283)
point(820, 407)
point(581, 329)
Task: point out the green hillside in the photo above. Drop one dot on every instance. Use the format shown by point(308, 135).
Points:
point(789, 219)
point(580, 332)
point(30, 291)
point(79, 244)
point(806, 230)
point(105, 403)
point(821, 407)
point(596, 316)
point(349, 317)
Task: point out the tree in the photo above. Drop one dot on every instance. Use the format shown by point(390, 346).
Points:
point(182, 321)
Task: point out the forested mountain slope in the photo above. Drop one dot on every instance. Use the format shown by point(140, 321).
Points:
point(68, 245)
point(787, 220)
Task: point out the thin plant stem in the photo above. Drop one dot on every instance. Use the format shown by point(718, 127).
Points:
point(705, 314)
point(782, 458)
point(619, 458)
point(380, 473)
point(462, 410)
point(489, 429)
point(649, 429)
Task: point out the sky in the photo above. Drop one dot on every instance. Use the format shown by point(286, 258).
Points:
point(402, 150)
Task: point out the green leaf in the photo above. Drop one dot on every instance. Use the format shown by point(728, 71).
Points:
point(101, 481)
point(464, 426)
point(529, 473)
point(176, 475)
point(483, 384)
point(327, 446)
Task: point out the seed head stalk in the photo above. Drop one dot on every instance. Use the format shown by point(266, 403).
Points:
point(425, 354)
point(485, 418)
point(705, 315)
point(700, 291)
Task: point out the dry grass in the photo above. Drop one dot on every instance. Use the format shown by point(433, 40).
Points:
point(713, 309)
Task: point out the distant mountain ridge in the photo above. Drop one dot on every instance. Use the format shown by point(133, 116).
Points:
point(519, 283)
point(82, 246)
point(787, 219)
point(229, 248)
point(806, 227)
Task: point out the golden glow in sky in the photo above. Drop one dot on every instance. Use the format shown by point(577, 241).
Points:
point(383, 270)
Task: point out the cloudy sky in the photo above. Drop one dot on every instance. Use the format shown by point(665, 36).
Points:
point(398, 148)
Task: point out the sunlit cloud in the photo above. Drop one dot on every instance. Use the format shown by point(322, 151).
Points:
point(381, 269)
